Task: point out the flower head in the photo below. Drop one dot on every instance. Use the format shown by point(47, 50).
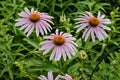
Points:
point(93, 25)
point(34, 20)
point(61, 43)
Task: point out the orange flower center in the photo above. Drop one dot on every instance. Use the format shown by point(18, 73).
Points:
point(94, 21)
point(59, 40)
point(34, 17)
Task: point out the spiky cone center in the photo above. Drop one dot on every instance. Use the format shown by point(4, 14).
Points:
point(59, 40)
point(93, 21)
point(34, 17)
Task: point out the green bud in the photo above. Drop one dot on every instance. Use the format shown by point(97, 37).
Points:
point(63, 18)
point(83, 54)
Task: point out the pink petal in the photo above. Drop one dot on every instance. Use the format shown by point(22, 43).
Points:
point(23, 14)
point(87, 34)
point(58, 54)
point(37, 30)
point(46, 24)
point(20, 23)
point(82, 19)
point(53, 54)
point(61, 33)
point(105, 27)
point(46, 45)
point(50, 76)
point(92, 34)
point(27, 10)
point(70, 39)
point(101, 17)
point(63, 53)
point(79, 29)
point(40, 29)
point(59, 76)
point(97, 34)
point(100, 35)
point(57, 32)
point(67, 35)
point(44, 15)
point(81, 25)
point(98, 15)
point(67, 51)
point(31, 30)
point(46, 42)
point(44, 28)
point(49, 37)
point(24, 26)
point(48, 48)
point(32, 10)
point(103, 32)
point(49, 21)
point(22, 19)
point(28, 28)
point(71, 48)
point(43, 77)
point(90, 14)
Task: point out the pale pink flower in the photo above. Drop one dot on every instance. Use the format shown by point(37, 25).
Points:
point(61, 44)
point(93, 25)
point(32, 19)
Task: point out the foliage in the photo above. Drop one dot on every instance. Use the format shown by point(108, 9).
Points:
point(20, 58)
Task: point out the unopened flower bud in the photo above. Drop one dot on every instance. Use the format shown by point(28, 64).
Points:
point(63, 18)
point(83, 54)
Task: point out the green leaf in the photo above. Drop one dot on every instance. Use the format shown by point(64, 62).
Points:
point(48, 67)
point(73, 69)
point(32, 42)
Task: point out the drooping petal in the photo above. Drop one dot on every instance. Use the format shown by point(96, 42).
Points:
point(87, 34)
point(30, 31)
point(58, 54)
point(28, 28)
point(24, 26)
point(53, 54)
point(92, 34)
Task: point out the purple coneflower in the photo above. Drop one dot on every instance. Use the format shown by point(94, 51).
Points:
point(61, 43)
point(34, 19)
point(93, 25)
